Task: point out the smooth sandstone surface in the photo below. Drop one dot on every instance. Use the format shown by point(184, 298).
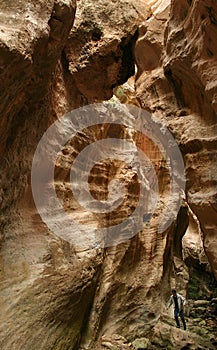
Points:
point(180, 87)
point(56, 56)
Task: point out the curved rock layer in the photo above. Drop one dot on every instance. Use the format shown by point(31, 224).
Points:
point(178, 82)
point(54, 294)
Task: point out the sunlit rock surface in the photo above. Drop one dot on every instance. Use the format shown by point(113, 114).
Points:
point(56, 295)
point(177, 80)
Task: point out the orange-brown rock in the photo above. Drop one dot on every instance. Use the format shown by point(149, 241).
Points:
point(47, 287)
point(58, 295)
point(177, 80)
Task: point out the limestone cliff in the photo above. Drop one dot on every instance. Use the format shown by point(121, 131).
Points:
point(56, 56)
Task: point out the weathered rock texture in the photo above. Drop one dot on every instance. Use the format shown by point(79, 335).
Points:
point(53, 295)
point(177, 80)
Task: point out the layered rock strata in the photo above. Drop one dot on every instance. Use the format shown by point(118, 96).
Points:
point(53, 293)
point(176, 80)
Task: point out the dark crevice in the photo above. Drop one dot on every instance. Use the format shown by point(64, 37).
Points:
point(193, 146)
point(64, 61)
point(176, 84)
point(96, 34)
point(202, 283)
point(128, 61)
point(212, 15)
point(182, 222)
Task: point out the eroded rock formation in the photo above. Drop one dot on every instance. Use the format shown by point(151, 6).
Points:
point(55, 295)
point(180, 86)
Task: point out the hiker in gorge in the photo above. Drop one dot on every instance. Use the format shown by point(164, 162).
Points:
point(178, 302)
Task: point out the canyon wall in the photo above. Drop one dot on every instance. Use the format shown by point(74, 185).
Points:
point(178, 66)
point(57, 56)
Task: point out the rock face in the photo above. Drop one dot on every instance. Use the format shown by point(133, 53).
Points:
point(99, 50)
point(180, 86)
point(54, 294)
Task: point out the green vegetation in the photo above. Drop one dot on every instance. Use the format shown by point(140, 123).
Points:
point(202, 284)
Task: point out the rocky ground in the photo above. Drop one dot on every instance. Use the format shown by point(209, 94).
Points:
point(201, 331)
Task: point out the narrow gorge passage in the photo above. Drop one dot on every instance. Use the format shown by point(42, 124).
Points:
point(65, 288)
